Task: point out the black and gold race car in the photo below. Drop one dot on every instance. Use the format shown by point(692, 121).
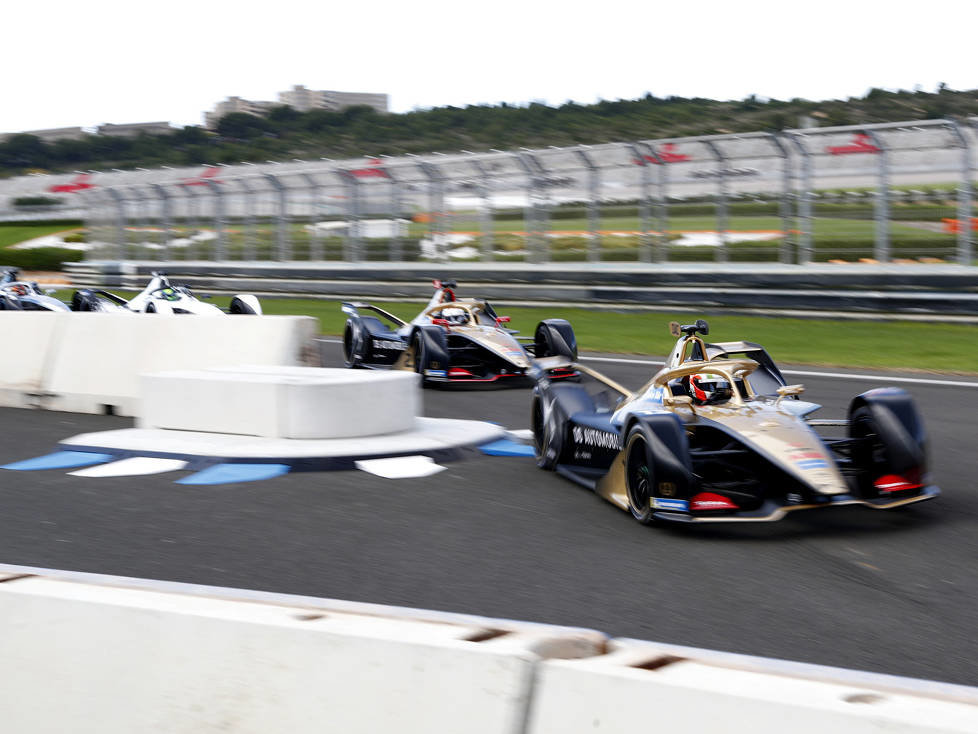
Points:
point(453, 342)
point(718, 436)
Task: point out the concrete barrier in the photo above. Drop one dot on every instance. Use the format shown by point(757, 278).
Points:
point(93, 658)
point(641, 685)
point(84, 653)
point(29, 342)
point(282, 402)
point(91, 362)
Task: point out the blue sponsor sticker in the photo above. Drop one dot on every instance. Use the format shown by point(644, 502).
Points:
point(436, 373)
point(664, 504)
point(813, 464)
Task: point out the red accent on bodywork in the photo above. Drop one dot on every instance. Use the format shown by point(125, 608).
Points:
point(502, 320)
point(896, 483)
point(459, 372)
point(712, 501)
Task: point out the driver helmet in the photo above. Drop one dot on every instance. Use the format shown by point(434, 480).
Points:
point(709, 389)
point(19, 289)
point(455, 316)
point(170, 294)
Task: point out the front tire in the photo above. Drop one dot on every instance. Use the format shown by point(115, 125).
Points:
point(639, 479)
point(548, 424)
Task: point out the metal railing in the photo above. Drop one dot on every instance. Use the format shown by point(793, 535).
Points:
point(887, 192)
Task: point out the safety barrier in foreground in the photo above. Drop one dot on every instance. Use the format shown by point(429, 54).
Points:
point(91, 362)
point(124, 655)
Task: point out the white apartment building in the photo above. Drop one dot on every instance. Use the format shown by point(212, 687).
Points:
point(298, 98)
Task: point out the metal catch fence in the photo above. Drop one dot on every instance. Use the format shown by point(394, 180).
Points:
point(887, 192)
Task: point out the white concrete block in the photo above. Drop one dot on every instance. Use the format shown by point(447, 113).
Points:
point(282, 402)
point(29, 339)
point(93, 360)
point(122, 661)
point(637, 686)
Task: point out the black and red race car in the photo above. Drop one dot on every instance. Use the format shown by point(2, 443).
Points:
point(453, 342)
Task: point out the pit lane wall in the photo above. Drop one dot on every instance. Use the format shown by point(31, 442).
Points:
point(91, 362)
point(102, 654)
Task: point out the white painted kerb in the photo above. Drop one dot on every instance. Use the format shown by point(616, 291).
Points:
point(281, 402)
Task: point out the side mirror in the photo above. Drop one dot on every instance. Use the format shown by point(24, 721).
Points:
point(502, 319)
point(787, 391)
point(676, 401)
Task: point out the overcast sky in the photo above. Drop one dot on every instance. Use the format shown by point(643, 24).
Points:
point(87, 63)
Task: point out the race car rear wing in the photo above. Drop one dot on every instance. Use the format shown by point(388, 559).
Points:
point(353, 309)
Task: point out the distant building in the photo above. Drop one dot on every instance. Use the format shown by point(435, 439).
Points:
point(304, 99)
point(235, 104)
point(52, 134)
point(132, 129)
point(298, 98)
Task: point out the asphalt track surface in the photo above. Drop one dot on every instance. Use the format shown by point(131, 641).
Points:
point(892, 592)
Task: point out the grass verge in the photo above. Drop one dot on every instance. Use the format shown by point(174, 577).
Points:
point(881, 345)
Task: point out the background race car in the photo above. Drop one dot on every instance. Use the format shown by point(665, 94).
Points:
point(453, 341)
point(161, 297)
point(20, 295)
point(717, 435)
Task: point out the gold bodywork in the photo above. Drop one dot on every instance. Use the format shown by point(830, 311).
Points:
point(484, 334)
point(761, 423)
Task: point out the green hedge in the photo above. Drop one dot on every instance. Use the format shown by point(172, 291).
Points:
point(39, 258)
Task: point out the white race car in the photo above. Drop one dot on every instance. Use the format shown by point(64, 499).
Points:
point(161, 297)
point(21, 295)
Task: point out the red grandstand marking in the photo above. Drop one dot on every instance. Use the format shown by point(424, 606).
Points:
point(861, 143)
point(81, 182)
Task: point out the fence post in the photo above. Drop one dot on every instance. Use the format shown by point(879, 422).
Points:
point(881, 206)
point(485, 213)
point(593, 199)
point(395, 249)
point(964, 253)
point(436, 206)
point(166, 213)
point(804, 198)
point(351, 239)
point(315, 241)
point(722, 255)
point(784, 201)
point(121, 250)
point(642, 157)
point(219, 251)
point(283, 251)
point(539, 250)
point(249, 238)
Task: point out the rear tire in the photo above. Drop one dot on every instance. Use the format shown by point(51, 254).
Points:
point(554, 338)
point(639, 479)
point(351, 337)
point(420, 355)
